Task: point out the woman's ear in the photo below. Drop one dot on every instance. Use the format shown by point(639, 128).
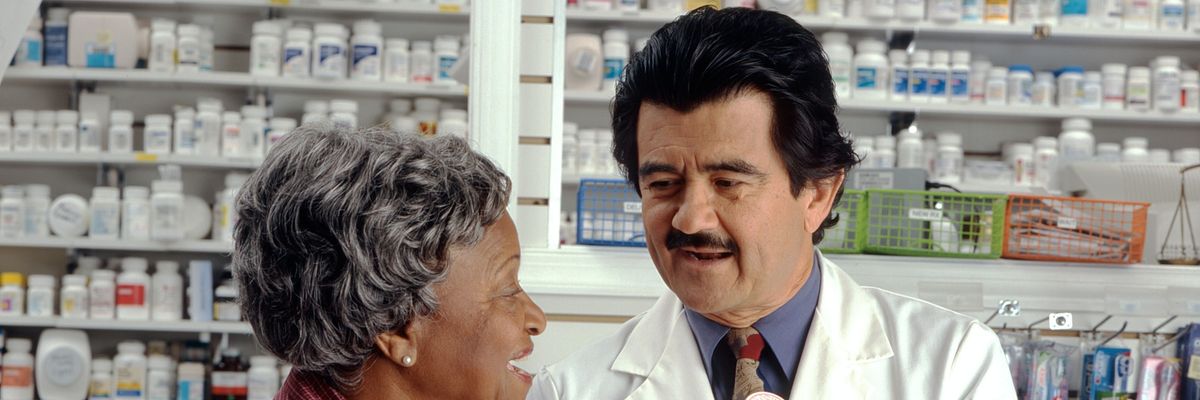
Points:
point(401, 346)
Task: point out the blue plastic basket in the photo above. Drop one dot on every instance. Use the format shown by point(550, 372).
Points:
point(610, 214)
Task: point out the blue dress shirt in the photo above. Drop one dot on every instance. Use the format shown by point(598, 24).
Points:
point(784, 331)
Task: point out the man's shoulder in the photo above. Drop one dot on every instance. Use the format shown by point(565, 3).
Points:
point(597, 357)
point(904, 315)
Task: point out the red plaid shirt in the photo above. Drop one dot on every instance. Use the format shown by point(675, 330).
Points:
point(304, 386)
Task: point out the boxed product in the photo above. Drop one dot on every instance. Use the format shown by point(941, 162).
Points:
point(1189, 355)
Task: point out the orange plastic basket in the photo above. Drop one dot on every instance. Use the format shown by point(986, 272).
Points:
point(1073, 229)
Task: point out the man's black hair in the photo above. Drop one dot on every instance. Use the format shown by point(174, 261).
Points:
point(712, 55)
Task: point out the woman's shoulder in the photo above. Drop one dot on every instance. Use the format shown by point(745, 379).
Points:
point(305, 386)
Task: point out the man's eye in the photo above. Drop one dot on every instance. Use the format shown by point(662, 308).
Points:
point(660, 184)
point(726, 183)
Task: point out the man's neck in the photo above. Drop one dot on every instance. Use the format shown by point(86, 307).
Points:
point(745, 317)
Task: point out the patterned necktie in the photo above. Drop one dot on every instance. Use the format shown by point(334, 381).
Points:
point(747, 345)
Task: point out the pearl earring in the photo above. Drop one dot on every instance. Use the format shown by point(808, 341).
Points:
point(407, 361)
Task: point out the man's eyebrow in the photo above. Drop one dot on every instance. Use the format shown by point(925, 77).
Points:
point(736, 166)
point(656, 167)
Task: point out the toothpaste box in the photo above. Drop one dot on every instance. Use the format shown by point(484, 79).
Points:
point(1110, 374)
point(1189, 356)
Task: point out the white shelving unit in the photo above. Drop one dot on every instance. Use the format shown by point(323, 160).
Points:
point(965, 110)
point(185, 246)
point(229, 79)
point(423, 11)
point(184, 326)
point(134, 159)
point(650, 19)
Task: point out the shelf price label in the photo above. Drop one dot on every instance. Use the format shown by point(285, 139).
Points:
point(281, 2)
point(145, 157)
point(450, 8)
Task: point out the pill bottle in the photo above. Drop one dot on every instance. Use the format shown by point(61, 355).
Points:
point(1167, 84)
point(841, 61)
point(949, 165)
point(900, 74)
point(37, 206)
point(1114, 86)
point(1135, 151)
point(870, 71)
point(1045, 161)
point(297, 53)
point(40, 298)
point(1021, 157)
point(265, 48)
point(366, 47)
point(1070, 86)
point(162, 46)
point(1020, 85)
point(156, 136)
point(997, 87)
point(66, 133)
point(105, 209)
point(396, 61)
point(939, 77)
point(102, 295)
point(1138, 89)
point(421, 64)
point(167, 292)
point(12, 212)
point(129, 377)
point(73, 300)
point(446, 56)
point(1076, 142)
point(1043, 89)
point(344, 114)
point(133, 290)
point(120, 132)
point(329, 59)
point(919, 78)
point(18, 370)
point(960, 77)
point(263, 378)
point(101, 387)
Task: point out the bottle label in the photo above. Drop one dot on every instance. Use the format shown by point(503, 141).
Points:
point(100, 389)
point(189, 55)
point(366, 60)
point(920, 81)
point(102, 302)
point(17, 377)
point(1074, 8)
point(127, 386)
point(959, 84)
point(613, 68)
point(865, 78)
point(937, 84)
point(104, 221)
point(330, 58)
point(295, 62)
point(229, 383)
point(446, 64)
point(131, 295)
point(32, 52)
point(100, 54)
point(1172, 17)
point(900, 81)
point(56, 45)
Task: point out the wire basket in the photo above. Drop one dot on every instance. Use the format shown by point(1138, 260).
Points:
point(610, 214)
point(847, 237)
point(934, 224)
point(1073, 229)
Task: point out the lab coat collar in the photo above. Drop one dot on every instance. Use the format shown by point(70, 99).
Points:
point(847, 330)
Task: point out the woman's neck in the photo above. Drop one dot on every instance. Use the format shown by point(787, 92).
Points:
point(382, 380)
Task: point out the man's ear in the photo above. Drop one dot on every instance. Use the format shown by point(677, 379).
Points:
point(401, 346)
point(823, 193)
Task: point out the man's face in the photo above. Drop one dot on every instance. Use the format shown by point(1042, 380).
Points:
point(722, 225)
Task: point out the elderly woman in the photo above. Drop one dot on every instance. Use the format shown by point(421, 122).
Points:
point(384, 266)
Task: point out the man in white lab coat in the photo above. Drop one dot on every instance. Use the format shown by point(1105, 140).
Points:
point(726, 124)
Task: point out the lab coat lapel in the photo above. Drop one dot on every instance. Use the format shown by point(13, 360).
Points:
point(846, 332)
point(662, 349)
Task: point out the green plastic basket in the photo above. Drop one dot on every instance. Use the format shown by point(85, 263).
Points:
point(847, 237)
point(935, 224)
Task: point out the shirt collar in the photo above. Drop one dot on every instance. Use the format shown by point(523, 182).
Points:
point(784, 330)
point(306, 386)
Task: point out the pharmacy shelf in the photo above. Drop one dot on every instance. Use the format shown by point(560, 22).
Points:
point(183, 246)
point(573, 180)
point(134, 326)
point(650, 19)
point(594, 280)
point(229, 79)
point(427, 12)
point(25, 158)
point(596, 99)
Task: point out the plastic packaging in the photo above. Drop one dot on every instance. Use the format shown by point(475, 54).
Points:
point(1108, 152)
point(29, 50)
point(1021, 156)
point(297, 53)
point(344, 114)
point(135, 213)
point(43, 132)
point(231, 134)
point(252, 131)
point(160, 378)
point(910, 10)
point(1135, 150)
point(909, 151)
point(89, 133)
point(18, 370)
point(1045, 161)
point(396, 61)
point(1114, 86)
point(133, 300)
point(37, 205)
point(101, 387)
point(129, 377)
point(616, 56)
point(1043, 89)
point(157, 134)
point(63, 360)
point(446, 56)
point(949, 166)
point(945, 11)
point(1167, 85)
point(23, 128)
point(1020, 85)
point(880, 9)
point(329, 52)
point(997, 12)
point(40, 300)
point(162, 46)
point(208, 127)
point(367, 51)
point(884, 155)
point(978, 80)
point(1074, 14)
point(66, 134)
point(920, 76)
point(1190, 90)
point(73, 301)
point(167, 301)
point(1172, 16)
point(421, 62)
point(960, 77)
point(1137, 90)
point(184, 130)
point(166, 210)
point(972, 11)
point(191, 381)
point(102, 295)
point(188, 49)
point(900, 74)
point(584, 63)
point(12, 294)
point(1076, 142)
point(870, 70)
point(1025, 12)
point(939, 77)
point(1138, 15)
point(56, 37)
point(314, 110)
point(265, 48)
point(106, 213)
point(263, 378)
point(120, 132)
point(1070, 86)
point(69, 216)
point(841, 61)
point(12, 212)
point(997, 87)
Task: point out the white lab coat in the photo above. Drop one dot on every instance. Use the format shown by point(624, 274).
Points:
point(864, 343)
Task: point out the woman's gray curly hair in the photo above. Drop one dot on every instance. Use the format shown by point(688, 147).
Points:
point(340, 236)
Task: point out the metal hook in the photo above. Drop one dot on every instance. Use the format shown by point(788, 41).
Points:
point(1114, 335)
point(1030, 327)
point(1097, 327)
point(1173, 339)
point(1160, 326)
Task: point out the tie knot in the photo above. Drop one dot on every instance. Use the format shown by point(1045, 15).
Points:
point(746, 343)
